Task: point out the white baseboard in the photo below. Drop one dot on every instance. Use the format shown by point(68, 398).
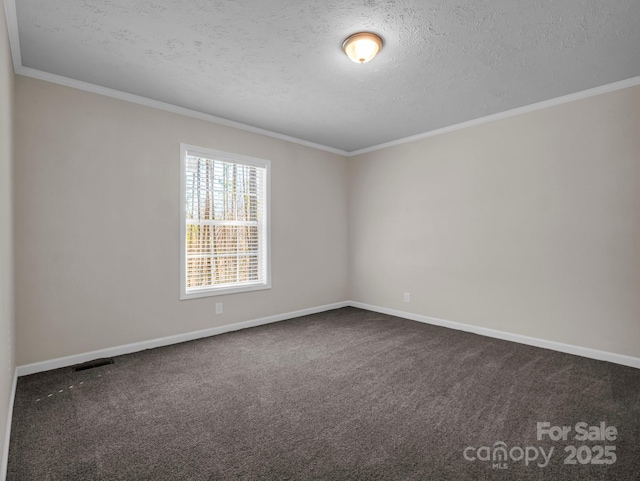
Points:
point(5, 448)
point(27, 369)
point(508, 336)
point(165, 341)
point(189, 336)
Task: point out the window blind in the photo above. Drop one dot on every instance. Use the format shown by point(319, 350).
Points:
point(225, 223)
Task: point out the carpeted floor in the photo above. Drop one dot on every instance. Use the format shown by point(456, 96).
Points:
point(343, 395)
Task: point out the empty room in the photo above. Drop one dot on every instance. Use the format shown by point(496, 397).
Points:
point(304, 240)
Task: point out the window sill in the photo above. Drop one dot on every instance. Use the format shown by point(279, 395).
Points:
point(220, 291)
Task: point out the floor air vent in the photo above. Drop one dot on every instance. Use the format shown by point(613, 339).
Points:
point(92, 364)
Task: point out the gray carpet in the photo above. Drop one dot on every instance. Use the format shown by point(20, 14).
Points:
point(343, 395)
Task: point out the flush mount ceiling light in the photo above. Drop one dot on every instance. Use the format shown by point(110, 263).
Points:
point(362, 47)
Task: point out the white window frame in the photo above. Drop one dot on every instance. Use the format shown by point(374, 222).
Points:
point(186, 149)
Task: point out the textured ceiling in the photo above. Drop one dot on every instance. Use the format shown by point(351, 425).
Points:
point(278, 64)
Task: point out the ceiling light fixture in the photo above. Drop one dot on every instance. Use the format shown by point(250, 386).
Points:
point(362, 47)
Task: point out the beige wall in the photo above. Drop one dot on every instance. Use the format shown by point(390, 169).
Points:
point(6, 229)
point(97, 223)
point(529, 225)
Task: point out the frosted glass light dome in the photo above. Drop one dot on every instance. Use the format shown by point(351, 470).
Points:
point(362, 47)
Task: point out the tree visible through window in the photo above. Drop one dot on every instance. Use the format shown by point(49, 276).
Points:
point(224, 223)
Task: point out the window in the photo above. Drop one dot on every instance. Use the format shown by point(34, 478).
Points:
point(224, 223)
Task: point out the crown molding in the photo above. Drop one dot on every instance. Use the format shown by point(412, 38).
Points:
point(603, 89)
point(19, 69)
point(12, 28)
point(14, 41)
point(156, 104)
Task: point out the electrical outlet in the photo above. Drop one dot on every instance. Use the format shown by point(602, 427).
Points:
point(218, 308)
point(407, 297)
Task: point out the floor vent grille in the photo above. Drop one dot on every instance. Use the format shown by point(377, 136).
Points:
point(93, 364)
